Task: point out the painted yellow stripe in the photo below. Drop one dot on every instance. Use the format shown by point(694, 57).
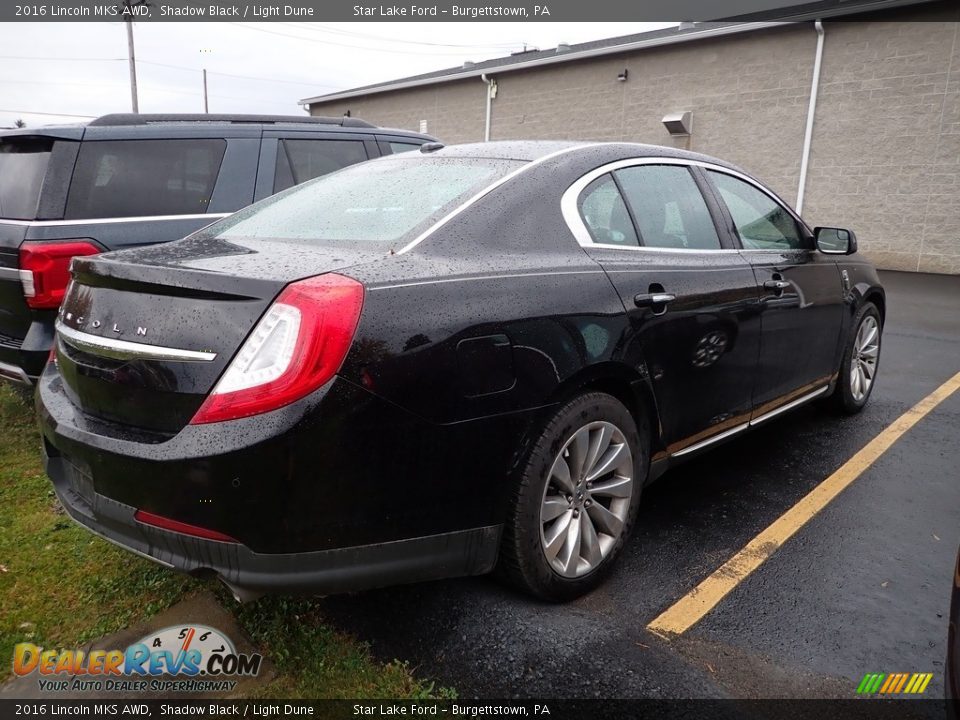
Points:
point(926, 681)
point(910, 685)
point(903, 679)
point(689, 609)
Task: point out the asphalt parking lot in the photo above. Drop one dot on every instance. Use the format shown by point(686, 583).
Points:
point(862, 587)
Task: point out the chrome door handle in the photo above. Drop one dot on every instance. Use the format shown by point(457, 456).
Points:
point(778, 285)
point(653, 299)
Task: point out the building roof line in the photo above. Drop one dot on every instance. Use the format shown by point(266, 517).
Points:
point(819, 9)
point(489, 69)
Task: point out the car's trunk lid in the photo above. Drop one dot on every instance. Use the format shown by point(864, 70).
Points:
point(145, 334)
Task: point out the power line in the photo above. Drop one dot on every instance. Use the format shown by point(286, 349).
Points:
point(235, 75)
point(175, 67)
point(383, 38)
point(345, 45)
point(37, 112)
point(69, 59)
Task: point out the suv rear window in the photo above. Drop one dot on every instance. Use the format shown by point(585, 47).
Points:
point(23, 165)
point(379, 201)
point(129, 178)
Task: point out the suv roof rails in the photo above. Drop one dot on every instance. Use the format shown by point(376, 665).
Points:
point(116, 119)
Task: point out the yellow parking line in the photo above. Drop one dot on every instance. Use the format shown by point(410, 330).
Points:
point(689, 609)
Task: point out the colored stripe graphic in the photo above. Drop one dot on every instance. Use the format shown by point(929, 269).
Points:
point(894, 683)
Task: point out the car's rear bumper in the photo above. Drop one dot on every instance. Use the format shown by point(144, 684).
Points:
point(250, 574)
point(337, 492)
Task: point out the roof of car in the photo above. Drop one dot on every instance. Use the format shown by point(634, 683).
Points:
point(530, 150)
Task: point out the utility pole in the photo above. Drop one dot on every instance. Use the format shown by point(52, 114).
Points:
point(133, 65)
point(127, 6)
point(206, 106)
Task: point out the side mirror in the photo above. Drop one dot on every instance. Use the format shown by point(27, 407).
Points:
point(835, 241)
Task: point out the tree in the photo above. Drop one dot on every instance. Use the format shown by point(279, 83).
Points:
point(20, 123)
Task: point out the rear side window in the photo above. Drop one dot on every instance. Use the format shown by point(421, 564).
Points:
point(605, 214)
point(302, 160)
point(380, 201)
point(762, 223)
point(23, 165)
point(128, 178)
point(668, 207)
point(402, 147)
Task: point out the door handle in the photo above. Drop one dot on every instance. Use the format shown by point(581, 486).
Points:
point(778, 285)
point(653, 299)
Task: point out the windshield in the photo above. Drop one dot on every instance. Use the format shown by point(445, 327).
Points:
point(23, 164)
point(383, 201)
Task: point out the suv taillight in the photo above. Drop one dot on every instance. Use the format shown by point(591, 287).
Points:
point(297, 346)
point(45, 270)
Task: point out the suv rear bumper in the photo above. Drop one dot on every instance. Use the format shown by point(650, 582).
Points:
point(14, 374)
point(22, 361)
point(249, 574)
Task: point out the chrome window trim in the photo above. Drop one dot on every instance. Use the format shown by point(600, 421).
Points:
point(570, 199)
point(126, 350)
point(487, 190)
point(111, 221)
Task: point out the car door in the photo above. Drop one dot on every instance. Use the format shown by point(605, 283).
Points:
point(801, 293)
point(692, 302)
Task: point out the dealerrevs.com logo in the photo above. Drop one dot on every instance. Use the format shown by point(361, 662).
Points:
point(191, 658)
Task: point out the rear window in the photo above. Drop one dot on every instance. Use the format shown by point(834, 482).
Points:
point(23, 165)
point(381, 201)
point(129, 178)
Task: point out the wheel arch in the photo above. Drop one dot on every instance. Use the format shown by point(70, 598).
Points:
point(616, 379)
point(878, 298)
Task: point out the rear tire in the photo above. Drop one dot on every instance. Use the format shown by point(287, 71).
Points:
point(860, 362)
point(576, 499)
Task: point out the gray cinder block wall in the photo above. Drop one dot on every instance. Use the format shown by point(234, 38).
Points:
point(885, 155)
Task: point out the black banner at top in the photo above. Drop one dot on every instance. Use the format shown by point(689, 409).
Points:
point(429, 10)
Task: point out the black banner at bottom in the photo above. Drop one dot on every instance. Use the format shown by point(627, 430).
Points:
point(867, 709)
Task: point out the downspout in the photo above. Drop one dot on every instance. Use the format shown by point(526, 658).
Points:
point(491, 92)
point(811, 111)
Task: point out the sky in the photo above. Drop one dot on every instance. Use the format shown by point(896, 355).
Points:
point(74, 71)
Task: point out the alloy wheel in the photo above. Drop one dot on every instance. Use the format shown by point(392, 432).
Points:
point(586, 500)
point(863, 362)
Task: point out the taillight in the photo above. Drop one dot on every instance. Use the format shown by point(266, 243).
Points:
point(297, 346)
point(166, 523)
point(45, 270)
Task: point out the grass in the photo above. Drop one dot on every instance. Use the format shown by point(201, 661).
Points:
point(61, 586)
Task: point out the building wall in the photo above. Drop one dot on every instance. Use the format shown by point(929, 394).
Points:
point(455, 111)
point(885, 156)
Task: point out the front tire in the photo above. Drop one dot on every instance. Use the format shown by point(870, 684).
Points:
point(576, 499)
point(860, 362)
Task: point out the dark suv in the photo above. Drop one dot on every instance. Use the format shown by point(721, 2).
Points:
point(128, 180)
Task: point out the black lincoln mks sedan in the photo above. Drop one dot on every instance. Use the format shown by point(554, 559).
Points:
point(432, 364)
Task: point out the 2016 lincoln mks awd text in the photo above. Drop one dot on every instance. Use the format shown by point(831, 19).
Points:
point(431, 364)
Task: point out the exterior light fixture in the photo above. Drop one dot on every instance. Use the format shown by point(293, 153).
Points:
point(622, 77)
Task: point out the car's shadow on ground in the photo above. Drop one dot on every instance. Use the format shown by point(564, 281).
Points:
point(485, 638)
